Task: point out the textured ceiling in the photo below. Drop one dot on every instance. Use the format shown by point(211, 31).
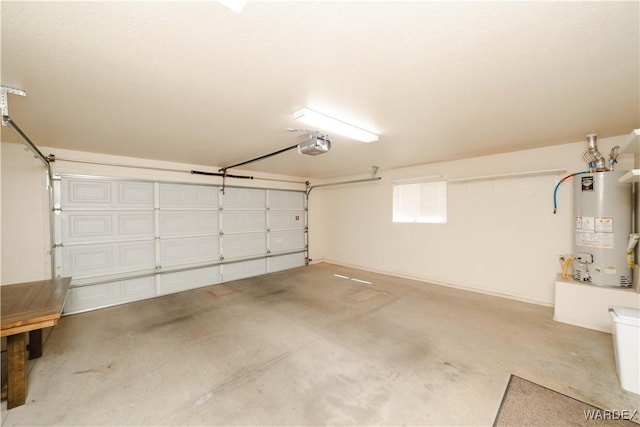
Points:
point(195, 82)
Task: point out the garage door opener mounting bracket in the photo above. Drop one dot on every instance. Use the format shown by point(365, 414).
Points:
point(6, 121)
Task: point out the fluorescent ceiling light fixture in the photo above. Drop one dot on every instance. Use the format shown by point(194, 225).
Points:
point(313, 118)
point(235, 5)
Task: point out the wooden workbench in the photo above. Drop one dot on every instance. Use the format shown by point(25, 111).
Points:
point(27, 308)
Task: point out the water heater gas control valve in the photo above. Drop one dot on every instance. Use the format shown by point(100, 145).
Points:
point(584, 258)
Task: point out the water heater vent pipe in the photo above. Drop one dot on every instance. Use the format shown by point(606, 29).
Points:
point(596, 160)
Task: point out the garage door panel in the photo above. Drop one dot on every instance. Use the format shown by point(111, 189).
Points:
point(191, 279)
point(244, 269)
point(285, 262)
point(189, 250)
point(108, 258)
point(93, 227)
point(136, 224)
point(89, 297)
point(138, 254)
point(86, 226)
point(135, 194)
point(286, 240)
point(93, 194)
point(187, 196)
point(244, 198)
point(136, 289)
point(286, 219)
point(188, 223)
point(80, 261)
point(243, 221)
point(279, 199)
point(87, 193)
point(244, 245)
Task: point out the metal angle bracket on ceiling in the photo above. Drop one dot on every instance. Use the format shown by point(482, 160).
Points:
point(4, 99)
point(6, 121)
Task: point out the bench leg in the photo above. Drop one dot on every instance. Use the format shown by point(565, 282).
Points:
point(35, 344)
point(16, 372)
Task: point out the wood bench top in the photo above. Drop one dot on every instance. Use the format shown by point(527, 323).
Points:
point(32, 305)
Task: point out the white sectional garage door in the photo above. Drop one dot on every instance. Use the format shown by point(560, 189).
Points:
point(123, 241)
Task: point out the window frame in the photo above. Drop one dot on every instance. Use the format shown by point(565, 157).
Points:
point(417, 210)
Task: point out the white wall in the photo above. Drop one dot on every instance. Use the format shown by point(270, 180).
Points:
point(25, 204)
point(501, 236)
point(25, 232)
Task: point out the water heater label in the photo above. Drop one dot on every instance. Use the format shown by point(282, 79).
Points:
point(604, 225)
point(595, 240)
point(587, 183)
point(585, 223)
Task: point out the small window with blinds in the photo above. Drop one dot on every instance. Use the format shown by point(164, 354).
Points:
point(421, 202)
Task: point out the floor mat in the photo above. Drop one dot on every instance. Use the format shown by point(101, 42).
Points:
point(528, 404)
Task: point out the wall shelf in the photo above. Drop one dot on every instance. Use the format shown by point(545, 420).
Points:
point(632, 176)
point(632, 146)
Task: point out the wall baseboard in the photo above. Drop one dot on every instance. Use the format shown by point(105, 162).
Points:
point(433, 281)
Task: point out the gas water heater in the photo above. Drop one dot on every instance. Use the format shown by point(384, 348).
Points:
point(603, 239)
point(602, 207)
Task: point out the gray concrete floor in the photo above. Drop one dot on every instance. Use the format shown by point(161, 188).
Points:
point(304, 347)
